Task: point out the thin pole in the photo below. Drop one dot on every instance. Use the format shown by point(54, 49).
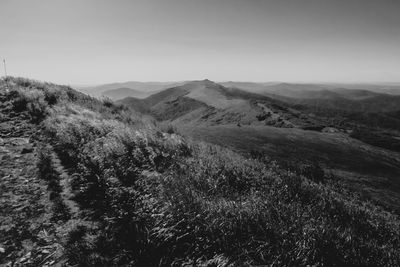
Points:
point(5, 72)
point(5, 68)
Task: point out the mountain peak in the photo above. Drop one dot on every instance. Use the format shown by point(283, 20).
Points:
point(202, 83)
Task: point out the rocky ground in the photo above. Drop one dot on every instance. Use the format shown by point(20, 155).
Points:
point(29, 233)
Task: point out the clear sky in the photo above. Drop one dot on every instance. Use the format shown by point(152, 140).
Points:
point(100, 41)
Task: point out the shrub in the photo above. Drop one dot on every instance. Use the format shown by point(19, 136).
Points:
point(52, 96)
point(108, 102)
point(311, 171)
point(20, 103)
point(31, 101)
point(37, 110)
point(168, 128)
point(261, 117)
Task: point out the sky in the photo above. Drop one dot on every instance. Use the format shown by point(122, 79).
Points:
point(102, 41)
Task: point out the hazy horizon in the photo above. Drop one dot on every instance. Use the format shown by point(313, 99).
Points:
point(97, 42)
point(83, 85)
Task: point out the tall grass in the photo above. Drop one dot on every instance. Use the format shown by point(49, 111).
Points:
point(163, 201)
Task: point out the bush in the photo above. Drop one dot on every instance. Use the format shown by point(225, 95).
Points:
point(37, 110)
point(52, 96)
point(108, 102)
point(20, 103)
point(168, 128)
point(311, 171)
point(31, 101)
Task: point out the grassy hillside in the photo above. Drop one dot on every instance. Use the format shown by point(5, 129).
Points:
point(371, 171)
point(146, 196)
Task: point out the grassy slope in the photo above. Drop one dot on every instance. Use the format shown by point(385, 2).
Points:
point(156, 199)
point(368, 169)
point(33, 209)
point(24, 203)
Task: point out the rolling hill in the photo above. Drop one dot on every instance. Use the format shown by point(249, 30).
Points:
point(357, 102)
point(280, 89)
point(337, 106)
point(208, 103)
point(350, 98)
point(137, 89)
point(296, 89)
point(280, 126)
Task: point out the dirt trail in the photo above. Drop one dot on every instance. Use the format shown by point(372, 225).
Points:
point(29, 236)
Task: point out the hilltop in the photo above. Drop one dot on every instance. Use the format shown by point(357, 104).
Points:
point(209, 103)
point(103, 185)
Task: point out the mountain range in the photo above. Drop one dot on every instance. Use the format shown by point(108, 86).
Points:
point(352, 132)
point(248, 103)
point(209, 103)
point(117, 91)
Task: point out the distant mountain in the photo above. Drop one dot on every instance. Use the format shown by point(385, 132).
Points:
point(146, 87)
point(120, 93)
point(275, 90)
point(356, 94)
point(355, 103)
point(385, 88)
point(328, 96)
point(249, 86)
point(271, 89)
point(282, 89)
point(300, 90)
point(209, 103)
